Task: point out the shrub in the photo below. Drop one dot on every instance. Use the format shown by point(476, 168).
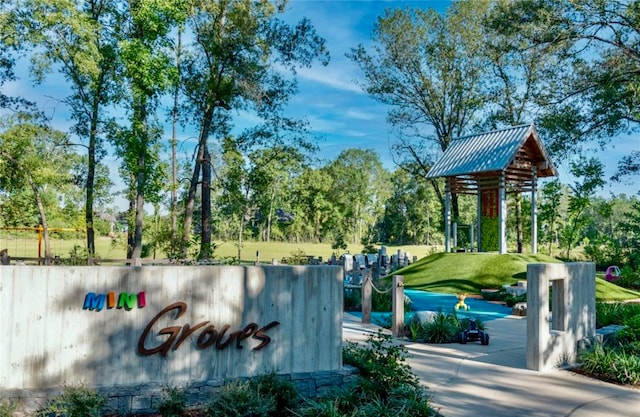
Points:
point(611, 364)
point(298, 257)
point(443, 328)
point(352, 299)
point(75, 401)
point(386, 386)
point(7, 408)
point(629, 278)
point(173, 403)
point(381, 362)
point(615, 313)
point(264, 396)
point(631, 331)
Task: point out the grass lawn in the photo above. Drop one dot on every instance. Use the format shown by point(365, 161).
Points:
point(455, 273)
point(106, 249)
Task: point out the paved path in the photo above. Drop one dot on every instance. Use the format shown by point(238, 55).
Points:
point(475, 380)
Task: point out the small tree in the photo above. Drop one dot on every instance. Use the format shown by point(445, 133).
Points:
point(591, 172)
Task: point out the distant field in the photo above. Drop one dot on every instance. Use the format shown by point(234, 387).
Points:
point(28, 247)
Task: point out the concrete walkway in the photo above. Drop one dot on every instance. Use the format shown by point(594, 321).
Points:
point(475, 380)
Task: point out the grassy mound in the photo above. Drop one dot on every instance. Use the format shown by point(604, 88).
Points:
point(455, 273)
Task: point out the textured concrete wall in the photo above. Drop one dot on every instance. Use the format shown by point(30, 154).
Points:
point(49, 338)
point(553, 343)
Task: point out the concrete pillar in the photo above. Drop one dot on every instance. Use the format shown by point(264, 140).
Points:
point(553, 344)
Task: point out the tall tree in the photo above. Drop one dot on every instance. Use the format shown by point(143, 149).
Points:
point(357, 179)
point(429, 68)
point(592, 93)
point(145, 54)
point(241, 55)
point(76, 39)
point(590, 175)
point(550, 211)
point(31, 156)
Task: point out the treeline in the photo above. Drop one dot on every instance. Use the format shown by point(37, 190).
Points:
point(129, 68)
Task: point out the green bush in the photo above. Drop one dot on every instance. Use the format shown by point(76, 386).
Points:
point(386, 385)
point(7, 408)
point(615, 313)
point(75, 401)
point(611, 364)
point(264, 396)
point(381, 362)
point(443, 328)
point(174, 402)
point(631, 331)
point(629, 278)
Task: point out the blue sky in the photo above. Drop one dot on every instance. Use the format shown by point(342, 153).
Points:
point(340, 115)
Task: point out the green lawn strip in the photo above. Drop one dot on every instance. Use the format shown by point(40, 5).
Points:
point(608, 291)
point(455, 273)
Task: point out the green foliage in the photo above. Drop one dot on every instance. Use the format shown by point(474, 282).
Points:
point(339, 243)
point(75, 401)
point(173, 403)
point(264, 396)
point(352, 299)
point(617, 361)
point(615, 313)
point(629, 278)
point(443, 328)
point(7, 408)
point(609, 364)
point(381, 363)
point(631, 331)
point(78, 255)
point(490, 234)
point(386, 386)
point(298, 257)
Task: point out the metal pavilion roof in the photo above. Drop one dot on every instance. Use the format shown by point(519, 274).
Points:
point(481, 158)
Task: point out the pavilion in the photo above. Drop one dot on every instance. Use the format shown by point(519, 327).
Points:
point(490, 165)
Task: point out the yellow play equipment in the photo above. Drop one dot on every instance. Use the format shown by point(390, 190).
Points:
point(461, 303)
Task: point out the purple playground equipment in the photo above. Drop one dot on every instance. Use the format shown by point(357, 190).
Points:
point(612, 274)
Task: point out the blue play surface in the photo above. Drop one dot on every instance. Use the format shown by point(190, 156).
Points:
point(431, 301)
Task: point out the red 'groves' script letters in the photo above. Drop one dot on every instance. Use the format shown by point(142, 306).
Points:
point(208, 334)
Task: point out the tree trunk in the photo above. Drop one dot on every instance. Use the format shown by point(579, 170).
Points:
point(174, 144)
point(136, 252)
point(205, 240)
point(519, 233)
point(193, 185)
point(91, 174)
point(43, 221)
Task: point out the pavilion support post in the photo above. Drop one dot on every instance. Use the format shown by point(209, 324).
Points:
point(502, 214)
point(479, 217)
point(534, 212)
point(447, 216)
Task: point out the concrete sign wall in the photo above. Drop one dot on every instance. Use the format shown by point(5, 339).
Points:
point(119, 326)
point(553, 343)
